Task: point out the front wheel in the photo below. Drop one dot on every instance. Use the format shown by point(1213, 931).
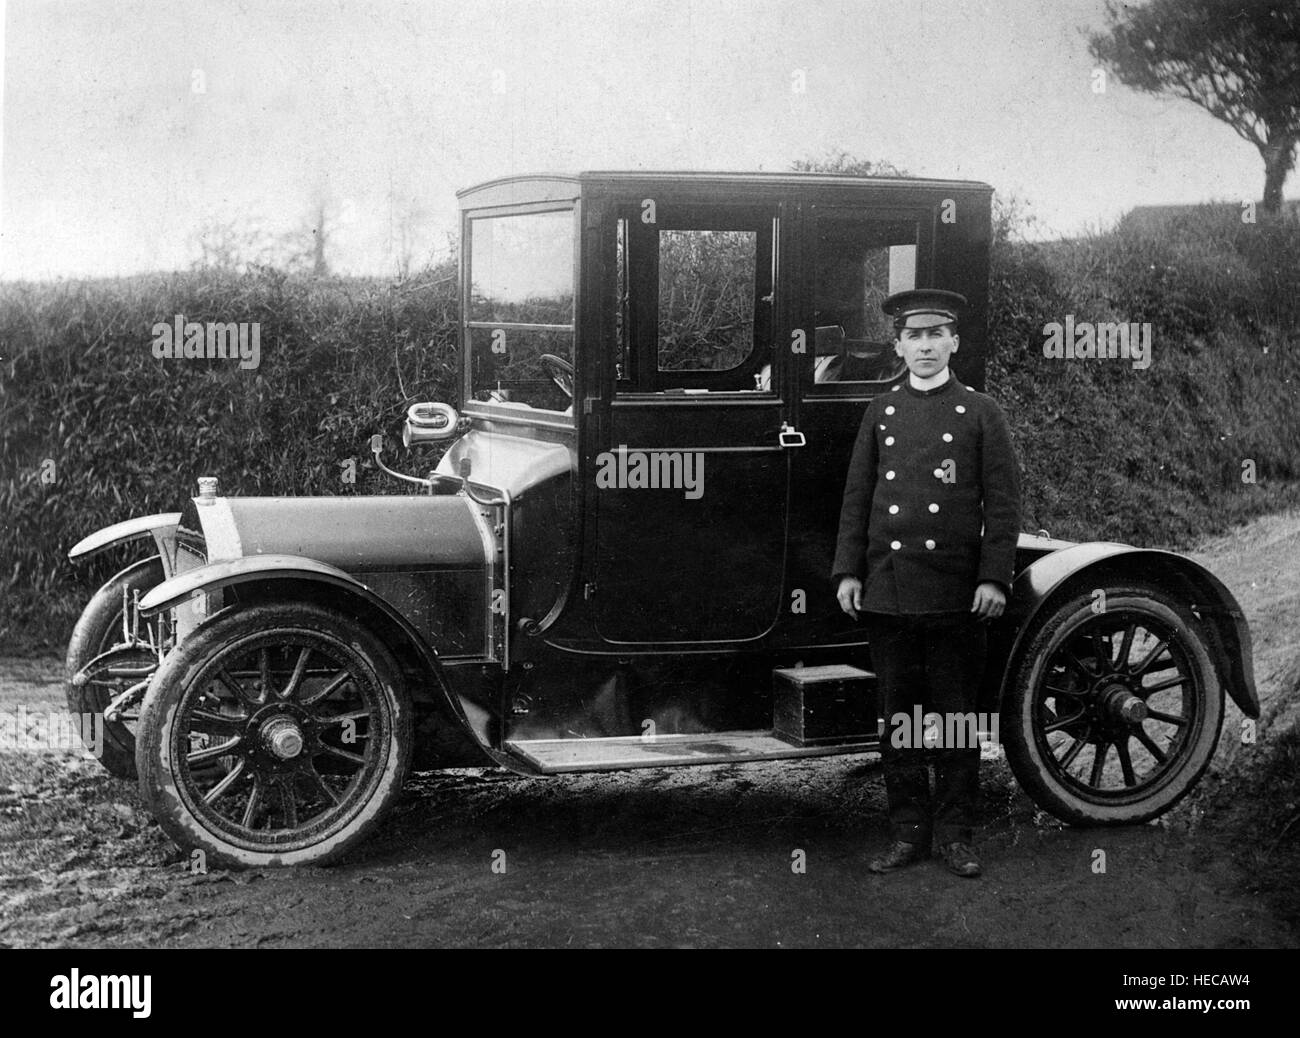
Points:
point(1115, 707)
point(274, 735)
point(90, 689)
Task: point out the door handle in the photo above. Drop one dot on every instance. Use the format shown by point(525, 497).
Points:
point(790, 436)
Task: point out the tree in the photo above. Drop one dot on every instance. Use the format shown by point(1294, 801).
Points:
point(305, 249)
point(843, 162)
point(1237, 59)
point(232, 244)
point(321, 228)
point(317, 232)
point(408, 220)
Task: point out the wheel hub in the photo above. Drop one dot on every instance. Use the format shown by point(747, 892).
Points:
point(283, 737)
point(1121, 706)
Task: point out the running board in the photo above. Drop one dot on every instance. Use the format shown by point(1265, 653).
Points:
point(554, 756)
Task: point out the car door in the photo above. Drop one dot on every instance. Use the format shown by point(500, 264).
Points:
point(691, 484)
point(855, 256)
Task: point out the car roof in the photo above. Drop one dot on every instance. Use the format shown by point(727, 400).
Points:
point(557, 184)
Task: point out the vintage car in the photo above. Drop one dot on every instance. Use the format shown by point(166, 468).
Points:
point(622, 558)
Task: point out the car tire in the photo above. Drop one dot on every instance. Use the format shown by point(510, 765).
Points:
point(1073, 702)
point(274, 686)
point(96, 631)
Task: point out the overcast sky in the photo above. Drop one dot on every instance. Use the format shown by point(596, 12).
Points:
point(127, 126)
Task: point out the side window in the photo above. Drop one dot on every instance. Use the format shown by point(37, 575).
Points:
point(694, 299)
point(622, 320)
point(859, 262)
point(706, 299)
point(518, 307)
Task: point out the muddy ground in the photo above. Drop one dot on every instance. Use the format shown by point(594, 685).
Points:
point(698, 857)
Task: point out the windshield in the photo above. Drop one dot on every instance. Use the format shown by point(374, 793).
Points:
point(520, 308)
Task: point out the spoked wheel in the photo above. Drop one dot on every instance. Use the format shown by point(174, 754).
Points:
point(1113, 716)
point(98, 630)
point(275, 735)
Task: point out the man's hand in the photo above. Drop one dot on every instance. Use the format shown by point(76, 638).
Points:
point(850, 595)
point(989, 604)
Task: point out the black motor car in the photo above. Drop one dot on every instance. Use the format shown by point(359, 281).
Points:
point(622, 557)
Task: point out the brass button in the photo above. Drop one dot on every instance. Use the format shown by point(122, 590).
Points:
point(930, 545)
point(895, 545)
point(893, 509)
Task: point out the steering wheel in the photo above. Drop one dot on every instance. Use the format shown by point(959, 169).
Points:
point(560, 370)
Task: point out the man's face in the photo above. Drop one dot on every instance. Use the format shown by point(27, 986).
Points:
point(926, 350)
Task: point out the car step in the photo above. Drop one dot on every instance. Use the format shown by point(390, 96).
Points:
point(553, 756)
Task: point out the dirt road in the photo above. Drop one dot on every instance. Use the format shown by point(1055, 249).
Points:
point(701, 857)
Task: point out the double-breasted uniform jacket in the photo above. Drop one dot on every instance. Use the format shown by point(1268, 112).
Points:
point(931, 502)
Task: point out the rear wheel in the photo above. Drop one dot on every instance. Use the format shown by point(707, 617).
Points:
point(1113, 715)
point(98, 630)
point(274, 735)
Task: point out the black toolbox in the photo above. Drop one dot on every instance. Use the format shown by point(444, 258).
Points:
point(830, 704)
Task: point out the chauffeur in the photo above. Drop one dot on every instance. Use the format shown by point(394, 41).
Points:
point(926, 549)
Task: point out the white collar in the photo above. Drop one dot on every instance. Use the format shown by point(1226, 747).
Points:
point(933, 382)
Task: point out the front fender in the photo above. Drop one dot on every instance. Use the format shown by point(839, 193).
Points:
point(161, 527)
point(1098, 562)
point(217, 575)
point(296, 568)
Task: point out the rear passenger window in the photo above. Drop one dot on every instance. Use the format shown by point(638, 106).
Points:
point(706, 299)
point(859, 262)
point(695, 298)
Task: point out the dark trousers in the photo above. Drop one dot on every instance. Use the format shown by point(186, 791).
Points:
point(933, 661)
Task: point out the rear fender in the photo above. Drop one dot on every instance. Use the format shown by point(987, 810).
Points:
point(294, 577)
point(1064, 572)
